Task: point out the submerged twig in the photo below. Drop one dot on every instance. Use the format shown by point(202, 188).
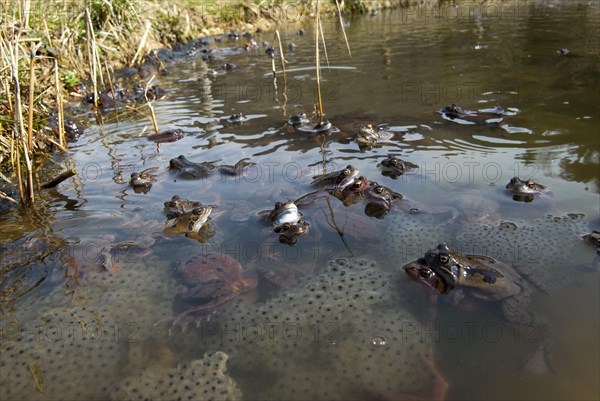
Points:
point(334, 225)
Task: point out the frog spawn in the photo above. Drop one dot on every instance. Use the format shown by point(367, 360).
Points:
point(200, 379)
point(80, 350)
point(547, 251)
point(322, 338)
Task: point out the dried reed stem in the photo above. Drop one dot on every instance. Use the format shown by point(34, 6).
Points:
point(59, 106)
point(142, 43)
point(26, 190)
point(318, 62)
point(31, 96)
point(152, 115)
point(339, 8)
point(281, 57)
point(92, 55)
point(323, 40)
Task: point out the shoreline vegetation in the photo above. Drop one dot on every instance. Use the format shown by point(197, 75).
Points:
point(49, 48)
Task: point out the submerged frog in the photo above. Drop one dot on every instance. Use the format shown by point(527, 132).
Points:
point(337, 179)
point(524, 190)
point(178, 205)
point(142, 181)
point(393, 167)
point(212, 280)
point(190, 170)
point(448, 271)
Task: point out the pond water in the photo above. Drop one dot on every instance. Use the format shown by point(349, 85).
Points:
point(349, 323)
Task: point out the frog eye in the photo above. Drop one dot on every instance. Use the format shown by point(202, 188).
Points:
point(378, 190)
point(345, 172)
point(425, 273)
point(286, 226)
point(443, 258)
point(530, 183)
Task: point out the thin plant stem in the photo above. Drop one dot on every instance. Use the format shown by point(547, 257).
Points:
point(152, 115)
point(31, 97)
point(59, 107)
point(324, 45)
point(281, 57)
point(92, 55)
point(318, 63)
point(339, 8)
point(142, 43)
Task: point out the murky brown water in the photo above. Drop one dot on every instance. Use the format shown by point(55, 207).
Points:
point(92, 332)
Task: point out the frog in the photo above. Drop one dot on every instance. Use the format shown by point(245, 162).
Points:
point(524, 190)
point(211, 280)
point(236, 118)
point(142, 181)
point(240, 168)
point(380, 195)
point(393, 167)
point(459, 115)
point(170, 135)
point(366, 136)
point(289, 232)
point(298, 119)
point(194, 224)
point(354, 192)
point(449, 272)
point(189, 170)
point(178, 205)
point(337, 179)
point(283, 213)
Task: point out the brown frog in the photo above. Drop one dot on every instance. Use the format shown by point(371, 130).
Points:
point(178, 205)
point(240, 168)
point(337, 179)
point(170, 135)
point(393, 167)
point(212, 280)
point(289, 232)
point(142, 181)
point(193, 224)
point(354, 192)
point(448, 271)
point(187, 169)
point(524, 190)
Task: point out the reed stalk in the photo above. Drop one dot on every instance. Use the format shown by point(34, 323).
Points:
point(152, 114)
point(281, 57)
point(318, 62)
point(92, 55)
point(339, 8)
point(59, 106)
point(31, 96)
point(25, 188)
point(142, 43)
point(323, 40)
